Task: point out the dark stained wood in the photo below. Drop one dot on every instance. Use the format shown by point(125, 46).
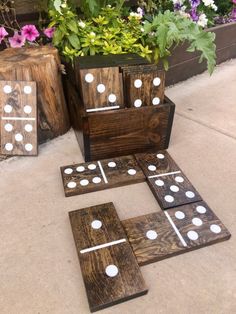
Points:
point(18, 118)
point(110, 79)
point(167, 242)
point(99, 175)
point(42, 65)
point(104, 291)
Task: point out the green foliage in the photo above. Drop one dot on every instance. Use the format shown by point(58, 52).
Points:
point(92, 8)
point(155, 6)
point(168, 30)
point(224, 6)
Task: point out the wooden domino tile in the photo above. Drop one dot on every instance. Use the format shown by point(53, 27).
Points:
point(99, 175)
point(101, 89)
point(110, 270)
point(175, 231)
point(168, 183)
point(18, 112)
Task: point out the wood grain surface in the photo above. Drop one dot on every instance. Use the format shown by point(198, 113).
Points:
point(99, 175)
point(203, 226)
point(102, 289)
point(18, 112)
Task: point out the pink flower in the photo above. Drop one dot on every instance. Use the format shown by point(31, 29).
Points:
point(17, 40)
point(3, 33)
point(234, 1)
point(49, 32)
point(30, 32)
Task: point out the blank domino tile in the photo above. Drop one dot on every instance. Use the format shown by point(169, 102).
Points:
point(18, 118)
point(101, 88)
point(167, 182)
point(110, 270)
point(99, 175)
point(178, 230)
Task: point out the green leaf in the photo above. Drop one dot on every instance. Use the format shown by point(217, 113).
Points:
point(72, 25)
point(74, 41)
point(57, 5)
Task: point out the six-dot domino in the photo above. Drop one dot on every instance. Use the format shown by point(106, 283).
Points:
point(178, 230)
point(18, 118)
point(110, 270)
point(167, 182)
point(99, 175)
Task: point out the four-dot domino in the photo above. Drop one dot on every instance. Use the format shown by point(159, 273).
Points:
point(110, 270)
point(167, 182)
point(178, 230)
point(99, 175)
point(18, 118)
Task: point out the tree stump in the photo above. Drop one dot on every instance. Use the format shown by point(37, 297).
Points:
point(42, 65)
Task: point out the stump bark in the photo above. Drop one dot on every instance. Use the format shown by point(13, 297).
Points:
point(42, 65)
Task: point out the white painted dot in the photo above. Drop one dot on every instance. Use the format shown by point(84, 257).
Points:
point(96, 224)
point(138, 103)
point(28, 147)
point(89, 78)
point(179, 215)
point(159, 182)
point(80, 169)
point(84, 182)
point(9, 147)
point(152, 168)
point(68, 171)
point(8, 108)
point(201, 209)
point(192, 235)
point(215, 228)
point(151, 235)
point(101, 88)
point(156, 101)
point(132, 172)
point(179, 179)
point(96, 180)
point(92, 167)
point(160, 156)
point(169, 198)
point(112, 98)
point(18, 137)
point(28, 128)
point(111, 164)
point(174, 188)
point(156, 81)
point(71, 185)
point(190, 194)
point(7, 89)
point(138, 83)
point(112, 271)
point(27, 109)
point(8, 127)
point(197, 222)
point(27, 89)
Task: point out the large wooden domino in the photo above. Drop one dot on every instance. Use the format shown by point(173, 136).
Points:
point(101, 89)
point(167, 181)
point(110, 270)
point(99, 175)
point(175, 231)
point(18, 112)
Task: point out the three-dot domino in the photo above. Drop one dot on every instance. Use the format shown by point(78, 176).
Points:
point(99, 175)
point(18, 118)
point(110, 270)
point(167, 182)
point(174, 231)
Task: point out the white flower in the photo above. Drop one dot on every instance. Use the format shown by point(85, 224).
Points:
point(92, 34)
point(208, 3)
point(181, 2)
point(136, 15)
point(82, 24)
point(214, 7)
point(202, 21)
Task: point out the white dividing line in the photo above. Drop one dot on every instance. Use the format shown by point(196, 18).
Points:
point(102, 172)
point(164, 174)
point(102, 109)
point(101, 246)
point(175, 228)
point(18, 118)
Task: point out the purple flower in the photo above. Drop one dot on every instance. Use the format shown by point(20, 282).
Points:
point(194, 15)
point(3, 33)
point(17, 40)
point(30, 32)
point(233, 13)
point(49, 32)
point(195, 3)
